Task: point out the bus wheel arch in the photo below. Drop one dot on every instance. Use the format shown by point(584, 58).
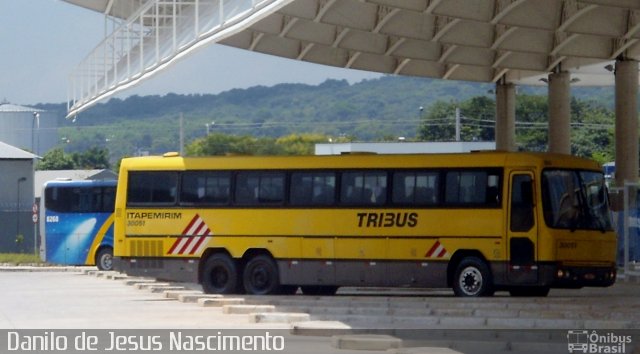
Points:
point(104, 257)
point(260, 274)
point(218, 272)
point(470, 267)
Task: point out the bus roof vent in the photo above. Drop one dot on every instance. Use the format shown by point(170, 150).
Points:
point(171, 154)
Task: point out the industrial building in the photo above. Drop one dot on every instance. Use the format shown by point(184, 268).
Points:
point(404, 148)
point(16, 200)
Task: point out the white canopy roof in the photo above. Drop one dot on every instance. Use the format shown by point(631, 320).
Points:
point(520, 41)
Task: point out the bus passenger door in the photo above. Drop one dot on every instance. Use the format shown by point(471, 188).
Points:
point(522, 230)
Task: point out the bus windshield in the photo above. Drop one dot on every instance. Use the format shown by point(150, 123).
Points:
point(574, 199)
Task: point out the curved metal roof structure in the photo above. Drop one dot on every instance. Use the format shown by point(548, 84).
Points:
point(518, 41)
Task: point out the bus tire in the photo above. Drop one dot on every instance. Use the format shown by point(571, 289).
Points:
point(104, 259)
point(322, 290)
point(472, 278)
point(260, 276)
point(534, 291)
point(219, 275)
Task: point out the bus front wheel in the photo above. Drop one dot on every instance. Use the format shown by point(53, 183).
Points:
point(472, 278)
point(261, 276)
point(219, 275)
point(104, 259)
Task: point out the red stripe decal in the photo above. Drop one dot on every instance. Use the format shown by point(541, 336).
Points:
point(175, 244)
point(433, 249)
point(186, 245)
point(195, 248)
point(198, 231)
point(193, 221)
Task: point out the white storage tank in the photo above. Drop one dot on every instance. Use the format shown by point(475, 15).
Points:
point(28, 128)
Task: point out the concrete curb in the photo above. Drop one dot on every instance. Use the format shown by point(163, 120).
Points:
point(42, 268)
point(175, 294)
point(247, 309)
point(278, 317)
point(320, 328)
point(117, 276)
point(147, 285)
point(193, 298)
point(134, 281)
point(366, 342)
point(163, 289)
point(219, 302)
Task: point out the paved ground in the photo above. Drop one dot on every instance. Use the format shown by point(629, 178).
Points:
point(74, 300)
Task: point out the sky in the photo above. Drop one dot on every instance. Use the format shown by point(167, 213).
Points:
point(42, 41)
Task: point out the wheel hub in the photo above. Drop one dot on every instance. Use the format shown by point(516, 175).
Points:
point(471, 281)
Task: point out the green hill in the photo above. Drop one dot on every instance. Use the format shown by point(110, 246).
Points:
point(369, 110)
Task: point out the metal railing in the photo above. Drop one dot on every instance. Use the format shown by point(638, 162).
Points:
point(154, 36)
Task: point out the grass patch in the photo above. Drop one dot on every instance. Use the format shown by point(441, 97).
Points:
point(19, 258)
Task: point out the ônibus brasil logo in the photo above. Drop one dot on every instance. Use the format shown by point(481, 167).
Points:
point(583, 341)
point(193, 238)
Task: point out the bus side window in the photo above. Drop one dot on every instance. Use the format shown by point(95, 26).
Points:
point(259, 188)
point(522, 203)
point(415, 187)
point(153, 187)
point(109, 199)
point(205, 187)
point(364, 188)
point(474, 187)
point(312, 188)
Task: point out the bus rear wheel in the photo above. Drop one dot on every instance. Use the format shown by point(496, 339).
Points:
point(104, 259)
point(260, 276)
point(472, 278)
point(219, 275)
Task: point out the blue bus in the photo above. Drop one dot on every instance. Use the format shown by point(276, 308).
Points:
point(77, 223)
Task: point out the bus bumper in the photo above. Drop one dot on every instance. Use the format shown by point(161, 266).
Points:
point(568, 276)
point(172, 269)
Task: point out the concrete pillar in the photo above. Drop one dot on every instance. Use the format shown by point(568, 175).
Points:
point(505, 116)
point(559, 113)
point(626, 138)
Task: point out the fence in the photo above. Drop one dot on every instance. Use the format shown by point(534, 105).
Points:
point(626, 217)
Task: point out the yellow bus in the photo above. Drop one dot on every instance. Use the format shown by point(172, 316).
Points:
point(477, 222)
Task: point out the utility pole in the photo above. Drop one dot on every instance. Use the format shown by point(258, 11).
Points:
point(181, 135)
point(458, 128)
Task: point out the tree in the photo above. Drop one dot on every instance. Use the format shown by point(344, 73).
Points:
point(532, 119)
point(477, 120)
point(56, 160)
point(221, 144)
point(439, 122)
point(94, 158)
point(591, 131)
point(592, 134)
point(300, 144)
